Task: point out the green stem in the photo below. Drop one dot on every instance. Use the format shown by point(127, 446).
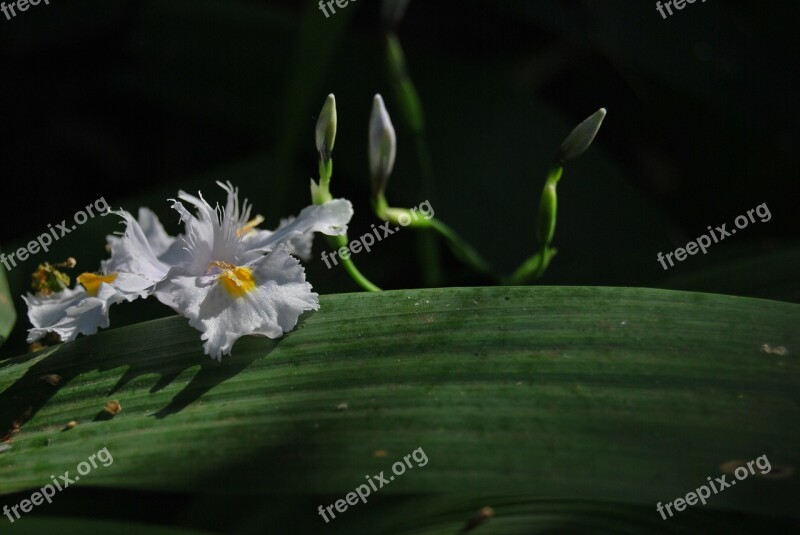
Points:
point(413, 116)
point(349, 265)
point(554, 174)
point(463, 250)
point(533, 267)
point(536, 265)
point(323, 195)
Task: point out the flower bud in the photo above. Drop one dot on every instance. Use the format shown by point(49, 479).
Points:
point(326, 128)
point(547, 214)
point(581, 137)
point(382, 146)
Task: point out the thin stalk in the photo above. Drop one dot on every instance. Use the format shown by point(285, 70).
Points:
point(533, 267)
point(463, 250)
point(350, 267)
point(323, 195)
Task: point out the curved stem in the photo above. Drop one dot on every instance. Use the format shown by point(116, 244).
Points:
point(536, 265)
point(533, 267)
point(350, 267)
point(323, 195)
point(463, 250)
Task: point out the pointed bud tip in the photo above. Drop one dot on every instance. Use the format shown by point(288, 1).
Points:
point(581, 138)
point(326, 128)
point(382, 144)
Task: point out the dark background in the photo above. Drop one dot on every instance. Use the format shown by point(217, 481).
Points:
point(131, 101)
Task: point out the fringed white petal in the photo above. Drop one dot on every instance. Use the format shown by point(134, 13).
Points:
point(330, 218)
point(272, 308)
point(133, 252)
point(70, 312)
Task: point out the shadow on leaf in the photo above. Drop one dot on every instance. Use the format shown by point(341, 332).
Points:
point(173, 348)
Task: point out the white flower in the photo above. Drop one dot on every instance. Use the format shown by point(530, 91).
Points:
point(132, 272)
point(264, 297)
point(236, 280)
point(83, 309)
point(229, 278)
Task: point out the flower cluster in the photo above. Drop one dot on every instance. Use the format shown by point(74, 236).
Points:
point(228, 277)
point(232, 279)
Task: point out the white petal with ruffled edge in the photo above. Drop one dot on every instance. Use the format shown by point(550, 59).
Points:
point(281, 294)
point(154, 231)
point(73, 311)
point(217, 233)
point(154, 234)
point(296, 243)
point(69, 313)
point(133, 252)
point(131, 287)
point(330, 218)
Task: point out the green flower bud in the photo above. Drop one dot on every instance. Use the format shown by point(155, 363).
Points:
point(581, 137)
point(382, 146)
point(547, 214)
point(326, 128)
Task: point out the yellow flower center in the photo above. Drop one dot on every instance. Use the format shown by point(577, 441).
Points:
point(92, 281)
point(236, 280)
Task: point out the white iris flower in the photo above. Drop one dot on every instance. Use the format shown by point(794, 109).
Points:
point(132, 272)
point(83, 309)
point(235, 280)
point(227, 277)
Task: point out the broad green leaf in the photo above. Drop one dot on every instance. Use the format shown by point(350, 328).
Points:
point(580, 399)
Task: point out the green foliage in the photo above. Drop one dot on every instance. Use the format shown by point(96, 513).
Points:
point(587, 399)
